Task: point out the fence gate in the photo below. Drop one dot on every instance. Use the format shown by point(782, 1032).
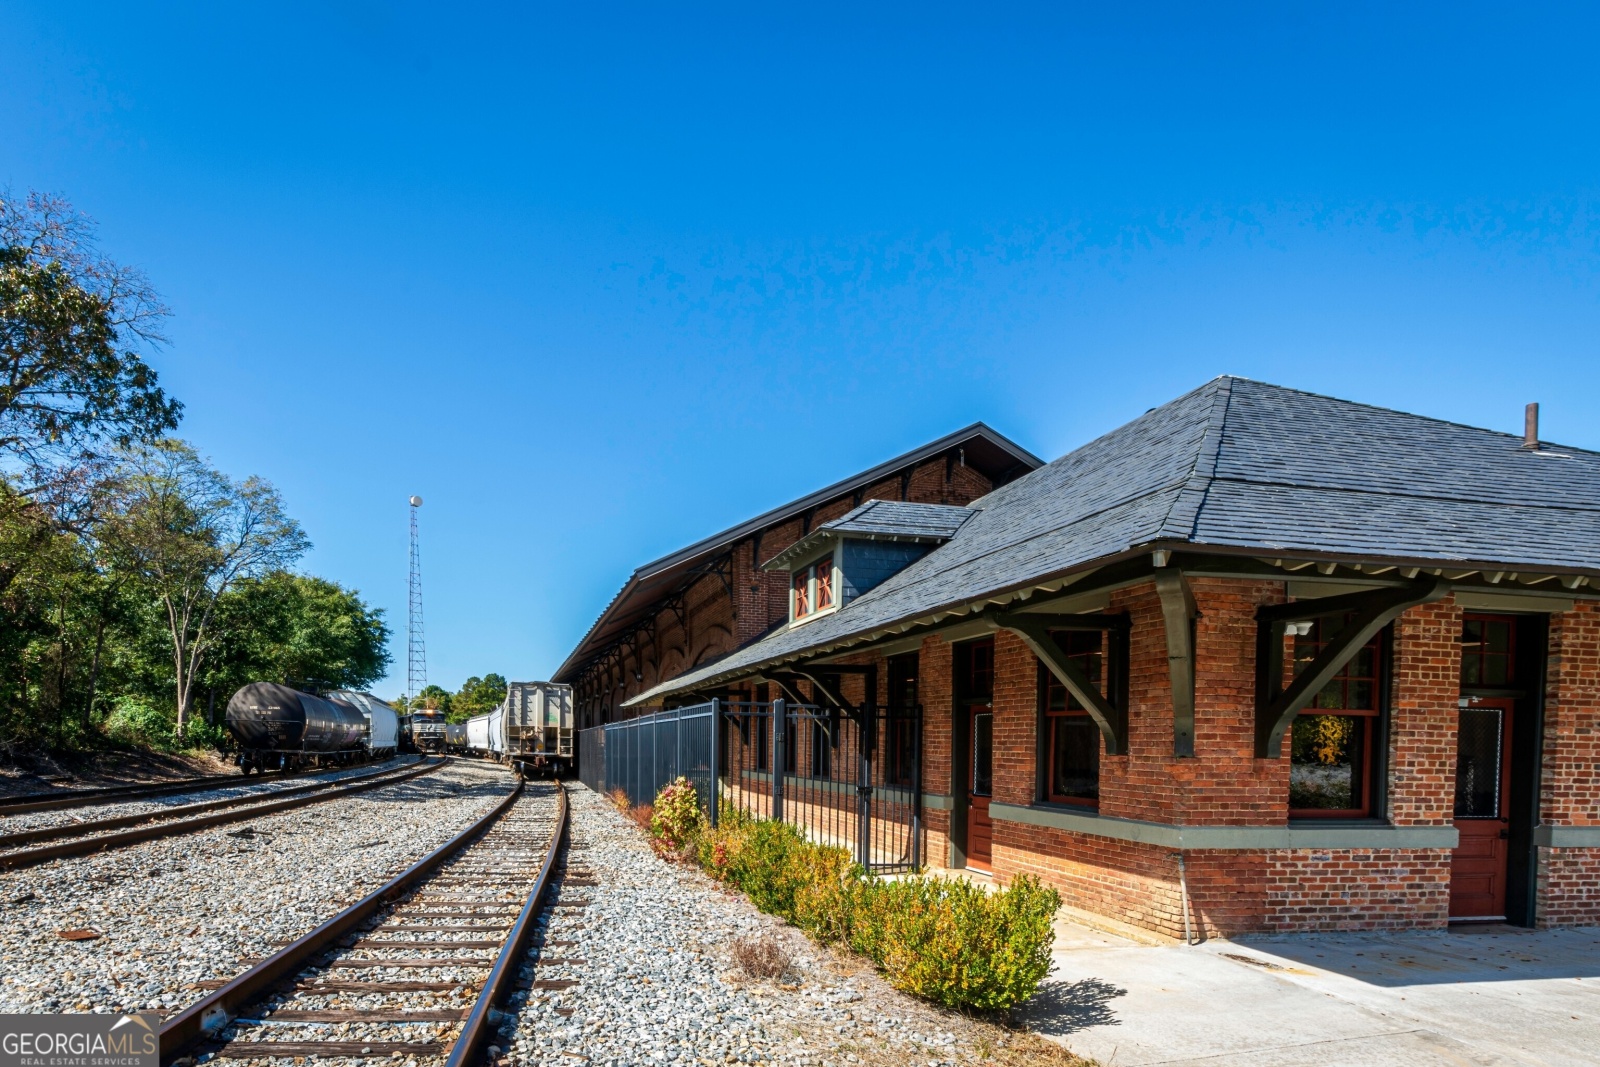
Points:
point(847, 778)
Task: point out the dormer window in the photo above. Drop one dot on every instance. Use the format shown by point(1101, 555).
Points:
point(813, 589)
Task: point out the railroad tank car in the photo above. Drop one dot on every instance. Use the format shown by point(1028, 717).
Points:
point(383, 725)
point(427, 730)
point(279, 728)
point(539, 727)
point(455, 736)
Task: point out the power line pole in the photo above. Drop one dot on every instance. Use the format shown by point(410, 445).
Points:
point(416, 651)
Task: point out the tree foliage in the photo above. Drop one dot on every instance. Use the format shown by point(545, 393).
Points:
point(74, 329)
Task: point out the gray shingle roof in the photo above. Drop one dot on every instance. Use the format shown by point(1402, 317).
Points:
point(1243, 465)
point(887, 519)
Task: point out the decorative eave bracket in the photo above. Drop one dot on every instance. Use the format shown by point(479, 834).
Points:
point(1034, 629)
point(1178, 613)
point(1276, 706)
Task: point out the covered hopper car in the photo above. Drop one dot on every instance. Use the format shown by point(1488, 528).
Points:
point(532, 728)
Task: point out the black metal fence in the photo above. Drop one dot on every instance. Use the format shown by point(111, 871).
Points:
point(641, 755)
point(851, 778)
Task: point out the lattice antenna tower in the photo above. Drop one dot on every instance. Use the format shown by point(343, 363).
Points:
point(416, 648)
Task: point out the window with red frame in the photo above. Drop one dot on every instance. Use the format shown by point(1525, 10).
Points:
point(802, 593)
point(1071, 737)
point(1488, 651)
point(1333, 743)
point(824, 573)
point(813, 588)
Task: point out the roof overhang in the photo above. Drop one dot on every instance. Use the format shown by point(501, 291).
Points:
point(1085, 587)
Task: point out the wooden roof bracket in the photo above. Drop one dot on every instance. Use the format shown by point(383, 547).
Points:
point(1374, 609)
point(1178, 613)
point(1034, 629)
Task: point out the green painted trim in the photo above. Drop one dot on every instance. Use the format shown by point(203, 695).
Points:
point(1567, 836)
point(1232, 838)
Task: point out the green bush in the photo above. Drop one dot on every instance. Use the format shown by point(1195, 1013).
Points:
point(676, 819)
point(957, 944)
point(946, 940)
point(138, 722)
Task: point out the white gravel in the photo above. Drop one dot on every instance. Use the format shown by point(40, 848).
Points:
point(181, 910)
point(657, 986)
point(252, 786)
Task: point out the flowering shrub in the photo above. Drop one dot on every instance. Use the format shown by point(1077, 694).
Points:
point(677, 820)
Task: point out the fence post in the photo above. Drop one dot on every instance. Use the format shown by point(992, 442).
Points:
point(916, 792)
point(866, 741)
point(780, 729)
point(716, 781)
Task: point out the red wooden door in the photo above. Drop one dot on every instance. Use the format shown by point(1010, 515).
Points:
point(1482, 810)
point(980, 830)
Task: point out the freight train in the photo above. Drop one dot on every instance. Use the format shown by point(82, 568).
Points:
point(282, 729)
point(531, 729)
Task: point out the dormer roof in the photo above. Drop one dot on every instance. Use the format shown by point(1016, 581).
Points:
point(877, 520)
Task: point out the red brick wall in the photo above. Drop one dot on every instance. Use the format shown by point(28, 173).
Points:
point(1356, 889)
point(1424, 717)
point(1569, 878)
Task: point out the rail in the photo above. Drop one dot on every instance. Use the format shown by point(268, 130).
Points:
point(205, 1019)
point(238, 810)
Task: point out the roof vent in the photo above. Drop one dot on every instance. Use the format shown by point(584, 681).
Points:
point(1530, 427)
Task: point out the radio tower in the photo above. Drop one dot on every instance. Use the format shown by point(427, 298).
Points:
point(416, 651)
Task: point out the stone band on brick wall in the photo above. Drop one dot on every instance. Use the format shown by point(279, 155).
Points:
point(1231, 838)
point(1567, 836)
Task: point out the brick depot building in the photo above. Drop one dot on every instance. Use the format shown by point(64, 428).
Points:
point(1295, 662)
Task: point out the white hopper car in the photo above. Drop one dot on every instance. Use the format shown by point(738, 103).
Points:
point(532, 728)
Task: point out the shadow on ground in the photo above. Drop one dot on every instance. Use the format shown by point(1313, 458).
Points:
point(1062, 1008)
point(1462, 954)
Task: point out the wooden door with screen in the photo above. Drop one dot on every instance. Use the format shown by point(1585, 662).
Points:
point(980, 830)
point(1478, 867)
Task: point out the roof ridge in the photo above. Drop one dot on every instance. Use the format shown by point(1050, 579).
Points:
point(1184, 514)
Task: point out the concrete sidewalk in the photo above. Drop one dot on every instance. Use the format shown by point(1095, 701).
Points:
point(1487, 995)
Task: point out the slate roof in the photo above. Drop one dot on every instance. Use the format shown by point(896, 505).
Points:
point(1241, 464)
point(889, 520)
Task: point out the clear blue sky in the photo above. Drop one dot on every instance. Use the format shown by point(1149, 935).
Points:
point(599, 282)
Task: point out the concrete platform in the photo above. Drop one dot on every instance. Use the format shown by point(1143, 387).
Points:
point(1485, 995)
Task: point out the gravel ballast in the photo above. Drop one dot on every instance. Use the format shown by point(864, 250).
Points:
point(656, 984)
point(262, 787)
point(177, 911)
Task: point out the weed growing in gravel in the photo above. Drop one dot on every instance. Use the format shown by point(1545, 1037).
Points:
point(760, 956)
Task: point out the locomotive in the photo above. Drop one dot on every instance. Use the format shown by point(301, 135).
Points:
point(279, 728)
point(427, 730)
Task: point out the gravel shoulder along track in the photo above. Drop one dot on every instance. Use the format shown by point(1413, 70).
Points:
point(655, 983)
point(174, 912)
point(262, 787)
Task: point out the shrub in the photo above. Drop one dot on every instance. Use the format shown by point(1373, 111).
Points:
point(956, 944)
point(138, 722)
point(677, 819)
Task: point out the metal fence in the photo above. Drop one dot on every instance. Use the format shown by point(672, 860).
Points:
point(641, 755)
point(851, 778)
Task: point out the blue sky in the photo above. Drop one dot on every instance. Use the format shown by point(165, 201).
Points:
point(597, 282)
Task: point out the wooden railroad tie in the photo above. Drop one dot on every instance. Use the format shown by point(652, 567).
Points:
point(260, 1050)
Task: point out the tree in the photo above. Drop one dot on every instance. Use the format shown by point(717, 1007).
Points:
point(298, 630)
point(477, 696)
point(434, 697)
point(74, 327)
point(189, 533)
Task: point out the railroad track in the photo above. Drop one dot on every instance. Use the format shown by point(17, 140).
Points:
point(414, 969)
point(84, 838)
point(57, 799)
